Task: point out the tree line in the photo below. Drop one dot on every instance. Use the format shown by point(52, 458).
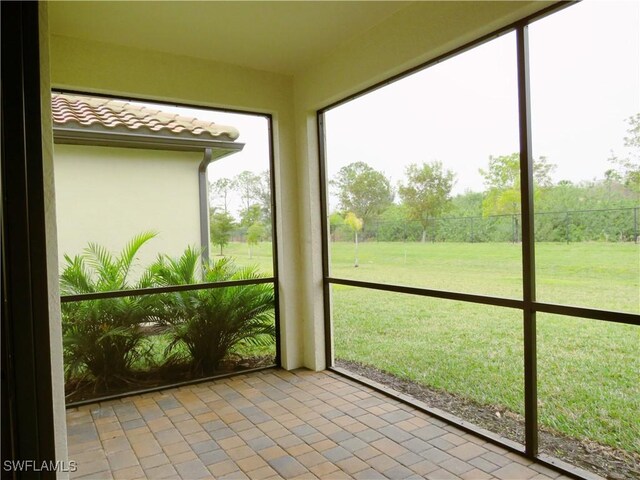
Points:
point(424, 197)
point(416, 208)
point(254, 216)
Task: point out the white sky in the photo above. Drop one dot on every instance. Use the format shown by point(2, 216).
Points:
point(585, 75)
point(585, 72)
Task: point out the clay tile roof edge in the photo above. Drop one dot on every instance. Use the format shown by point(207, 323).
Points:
point(75, 112)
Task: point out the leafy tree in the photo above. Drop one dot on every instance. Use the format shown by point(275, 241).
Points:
point(427, 192)
point(247, 184)
point(263, 196)
point(250, 216)
point(467, 204)
point(355, 224)
point(564, 196)
point(222, 225)
point(220, 191)
point(254, 234)
point(633, 140)
point(335, 222)
point(628, 166)
point(612, 175)
point(362, 190)
point(502, 180)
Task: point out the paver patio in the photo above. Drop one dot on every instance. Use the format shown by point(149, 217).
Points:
point(279, 424)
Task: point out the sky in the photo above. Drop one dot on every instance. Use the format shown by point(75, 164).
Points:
point(585, 83)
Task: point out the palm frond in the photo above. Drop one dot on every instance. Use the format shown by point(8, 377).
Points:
point(76, 278)
point(146, 280)
point(128, 253)
point(101, 260)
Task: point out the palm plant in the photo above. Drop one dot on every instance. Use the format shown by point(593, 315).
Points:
point(102, 338)
point(210, 323)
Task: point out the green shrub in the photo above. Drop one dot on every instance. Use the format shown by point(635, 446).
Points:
point(212, 322)
point(102, 338)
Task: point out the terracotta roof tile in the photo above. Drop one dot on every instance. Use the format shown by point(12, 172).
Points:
point(81, 111)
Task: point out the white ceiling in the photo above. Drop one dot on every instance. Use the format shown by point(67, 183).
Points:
point(282, 37)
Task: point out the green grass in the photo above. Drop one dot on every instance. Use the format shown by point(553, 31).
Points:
point(597, 275)
point(261, 255)
point(589, 371)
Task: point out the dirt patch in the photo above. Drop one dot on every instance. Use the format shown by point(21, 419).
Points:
point(601, 459)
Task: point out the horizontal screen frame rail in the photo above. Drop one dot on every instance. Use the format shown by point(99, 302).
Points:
point(159, 290)
point(426, 292)
point(565, 310)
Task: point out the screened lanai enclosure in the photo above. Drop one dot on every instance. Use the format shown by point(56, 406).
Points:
point(484, 257)
point(387, 239)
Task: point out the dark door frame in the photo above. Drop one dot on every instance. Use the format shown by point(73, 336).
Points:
point(28, 431)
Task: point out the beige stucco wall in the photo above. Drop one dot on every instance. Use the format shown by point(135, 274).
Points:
point(106, 195)
point(413, 35)
point(55, 323)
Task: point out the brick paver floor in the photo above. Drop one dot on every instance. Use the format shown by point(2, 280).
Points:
point(279, 424)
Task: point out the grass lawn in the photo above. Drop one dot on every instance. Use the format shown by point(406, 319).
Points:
point(589, 371)
point(261, 255)
point(598, 275)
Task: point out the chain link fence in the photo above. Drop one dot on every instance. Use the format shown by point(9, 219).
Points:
point(609, 225)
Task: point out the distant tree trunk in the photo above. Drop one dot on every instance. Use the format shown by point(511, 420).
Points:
point(220, 249)
point(356, 260)
point(424, 234)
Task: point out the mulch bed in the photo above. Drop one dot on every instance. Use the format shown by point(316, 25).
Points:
point(84, 390)
point(605, 461)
